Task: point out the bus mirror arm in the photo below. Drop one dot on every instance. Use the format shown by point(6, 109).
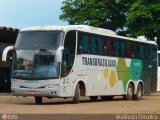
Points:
point(59, 54)
point(5, 52)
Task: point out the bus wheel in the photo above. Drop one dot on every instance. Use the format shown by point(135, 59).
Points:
point(130, 91)
point(38, 100)
point(93, 98)
point(106, 98)
point(76, 97)
point(139, 92)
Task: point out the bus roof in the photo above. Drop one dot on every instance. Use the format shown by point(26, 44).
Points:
point(84, 28)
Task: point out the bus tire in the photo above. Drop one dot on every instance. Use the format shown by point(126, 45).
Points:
point(130, 92)
point(76, 97)
point(139, 92)
point(106, 98)
point(93, 98)
point(38, 100)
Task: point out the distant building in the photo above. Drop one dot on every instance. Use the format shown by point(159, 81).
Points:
point(8, 37)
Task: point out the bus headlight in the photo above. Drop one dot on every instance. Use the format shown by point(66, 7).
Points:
point(13, 85)
point(50, 86)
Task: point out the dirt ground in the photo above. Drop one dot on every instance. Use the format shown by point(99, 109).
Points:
point(25, 105)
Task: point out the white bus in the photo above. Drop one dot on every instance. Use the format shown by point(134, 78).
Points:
point(79, 60)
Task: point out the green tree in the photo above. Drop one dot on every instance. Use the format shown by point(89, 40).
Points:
point(144, 19)
point(109, 14)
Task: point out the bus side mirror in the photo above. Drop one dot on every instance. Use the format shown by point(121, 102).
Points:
point(5, 52)
point(59, 54)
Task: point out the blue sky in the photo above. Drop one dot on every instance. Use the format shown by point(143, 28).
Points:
point(27, 13)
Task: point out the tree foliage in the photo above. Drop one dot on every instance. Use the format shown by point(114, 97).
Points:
point(108, 14)
point(144, 19)
point(141, 17)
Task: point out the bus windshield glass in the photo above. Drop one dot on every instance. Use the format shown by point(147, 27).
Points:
point(39, 40)
point(35, 64)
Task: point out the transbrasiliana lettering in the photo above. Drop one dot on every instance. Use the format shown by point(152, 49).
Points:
point(98, 62)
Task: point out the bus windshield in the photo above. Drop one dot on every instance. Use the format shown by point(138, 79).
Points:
point(34, 56)
point(35, 64)
point(39, 40)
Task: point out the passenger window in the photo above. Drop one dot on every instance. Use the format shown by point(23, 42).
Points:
point(93, 45)
point(141, 49)
point(112, 47)
point(153, 51)
point(122, 49)
point(133, 50)
point(79, 46)
point(85, 43)
point(147, 52)
point(129, 52)
point(100, 43)
point(109, 46)
point(137, 53)
point(66, 63)
point(116, 49)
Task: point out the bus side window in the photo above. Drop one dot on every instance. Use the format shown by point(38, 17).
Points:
point(112, 47)
point(141, 49)
point(153, 51)
point(100, 44)
point(116, 51)
point(70, 42)
point(137, 53)
point(133, 50)
point(108, 46)
point(79, 46)
point(66, 63)
point(68, 52)
point(129, 49)
point(85, 43)
point(122, 49)
point(93, 45)
point(105, 46)
point(147, 52)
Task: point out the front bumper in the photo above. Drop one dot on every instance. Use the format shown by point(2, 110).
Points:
point(45, 92)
